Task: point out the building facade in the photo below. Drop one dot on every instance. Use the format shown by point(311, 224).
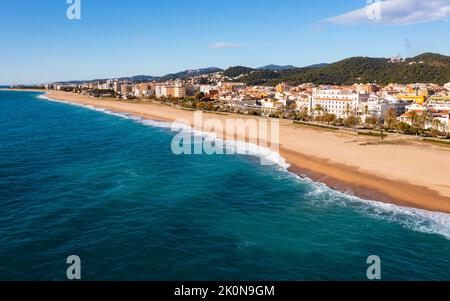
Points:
point(338, 101)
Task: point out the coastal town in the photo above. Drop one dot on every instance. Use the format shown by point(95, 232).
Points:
point(414, 109)
point(225, 149)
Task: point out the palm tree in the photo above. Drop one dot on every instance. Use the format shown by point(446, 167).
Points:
point(437, 125)
point(426, 119)
point(413, 118)
point(372, 121)
point(347, 109)
point(293, 106)
point(303, 114)
point(390, 118)
point(318, 108)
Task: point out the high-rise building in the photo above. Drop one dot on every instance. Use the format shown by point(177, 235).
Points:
point(176, 91)
point(116, 86)
point(160, 91)
point(125, 89)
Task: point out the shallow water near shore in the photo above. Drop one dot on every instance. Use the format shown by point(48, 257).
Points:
point(107, 187)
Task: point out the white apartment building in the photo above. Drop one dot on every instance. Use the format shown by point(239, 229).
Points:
point(377, 106)
point(444, 118)
point(125, 89)
point(142, 90)
point(439, 105)
point(415, 107)
point(374, 108)
point(439, 111)
point(136, 91)
point(337, 101)
point(303, 104)
point(116, 86)
point(207, 88)
point(447, 86)
point(160, 91)
point(105, 86)
point(267, 103)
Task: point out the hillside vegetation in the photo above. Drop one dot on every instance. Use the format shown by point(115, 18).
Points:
point(425, 68)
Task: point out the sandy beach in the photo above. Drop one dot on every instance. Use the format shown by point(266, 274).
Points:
point(397, 170)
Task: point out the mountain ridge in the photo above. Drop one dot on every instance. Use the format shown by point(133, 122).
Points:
point(277, 67)
point(149, 78)
point(426, 67)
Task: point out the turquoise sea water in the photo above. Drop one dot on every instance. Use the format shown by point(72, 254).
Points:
point(107, 188)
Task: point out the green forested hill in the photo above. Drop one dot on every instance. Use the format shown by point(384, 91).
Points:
point(425, 68)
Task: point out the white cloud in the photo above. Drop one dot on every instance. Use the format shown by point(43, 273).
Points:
point(401, 12)
point(224, 45)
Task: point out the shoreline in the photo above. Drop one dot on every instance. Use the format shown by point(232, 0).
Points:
point(321, 166)
point(364, 186)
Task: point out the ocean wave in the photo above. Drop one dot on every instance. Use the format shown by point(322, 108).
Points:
point(414, 219)
point(418, 220)
point(234, 147)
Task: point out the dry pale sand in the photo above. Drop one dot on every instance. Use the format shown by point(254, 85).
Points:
point(397, 170)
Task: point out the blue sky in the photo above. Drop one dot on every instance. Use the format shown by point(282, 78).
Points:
point(123, 38)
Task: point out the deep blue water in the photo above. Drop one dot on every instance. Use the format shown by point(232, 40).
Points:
point(109, 189)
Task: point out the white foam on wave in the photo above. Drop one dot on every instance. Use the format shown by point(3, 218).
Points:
point(418, 220)
point(251, 149)
point(231, 146)
point(234, 147)
point(414, 219)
